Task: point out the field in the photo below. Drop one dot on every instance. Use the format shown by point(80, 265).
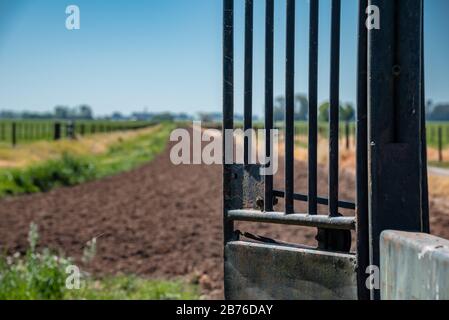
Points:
point(156, 225)
point(42, 166)
point(437, 134)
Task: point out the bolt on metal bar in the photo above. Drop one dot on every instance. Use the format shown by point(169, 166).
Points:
point(313, 107)
point(228, 105)
point(334, 108)
point(289, 108)
point(269, 96)
point(248, 85)
point(362, 154)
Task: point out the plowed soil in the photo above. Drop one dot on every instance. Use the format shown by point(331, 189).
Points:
point(157, 221)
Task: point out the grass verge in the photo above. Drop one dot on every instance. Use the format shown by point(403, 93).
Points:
point(70, 169)
point(42, 275)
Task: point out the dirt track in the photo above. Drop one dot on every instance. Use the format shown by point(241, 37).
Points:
point(157, 221)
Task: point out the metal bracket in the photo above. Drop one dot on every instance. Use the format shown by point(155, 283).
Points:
point(334, 240)
point(246, 188)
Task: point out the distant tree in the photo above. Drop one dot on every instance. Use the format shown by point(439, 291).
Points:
point(301, 107)
point(85, 112)
point(62, 112)
point(440, 113)
point(7, 114)
point(429, 109)
point(347, 112)
point(117, 116)
point(279, 107)
point(182, 116)
point(205, 117)
point(323, 112)
point(163, 117)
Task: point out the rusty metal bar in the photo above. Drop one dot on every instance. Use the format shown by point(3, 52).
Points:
point(290, 108)
point(334, 108)
point(248, 82)
point(362, 155)
point(228, 106)
point(425, 183)
point(269, 96)
point(306, 220)
point(313, 107)
point(394, 108)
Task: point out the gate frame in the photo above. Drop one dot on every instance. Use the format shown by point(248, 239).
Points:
point(398, 198)
point(391, 144)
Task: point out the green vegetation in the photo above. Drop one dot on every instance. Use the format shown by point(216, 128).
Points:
point(432, 134)
point(126, 155)
point(133, 288)
point(444, 165)
point(66, 171)
point(71, 169)
point(302, 127)
point(42, 275)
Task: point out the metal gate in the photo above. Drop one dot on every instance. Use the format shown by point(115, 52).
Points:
point(391, 179)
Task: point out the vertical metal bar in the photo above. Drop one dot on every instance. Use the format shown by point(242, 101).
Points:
point(313, 107)
point(394, 109)
point(425, 183)
point(334, 108)
point(248, 85)
point(228, 105)
point(269, 96)
point(289, 108)
point(347, 135)
point(14, 134)
point(362, 155)
point(57, 131)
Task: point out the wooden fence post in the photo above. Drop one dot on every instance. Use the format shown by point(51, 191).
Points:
point(347, 133)
point(440, 144)
point(57, 131)
point(14, 134)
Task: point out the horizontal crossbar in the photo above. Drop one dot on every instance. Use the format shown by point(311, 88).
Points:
point(305, 220)
point(323, 201)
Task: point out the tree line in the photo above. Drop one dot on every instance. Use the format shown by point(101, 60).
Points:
point(438, 112)
point(347, 111)
point(82, 112)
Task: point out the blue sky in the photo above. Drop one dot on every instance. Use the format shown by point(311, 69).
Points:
point(165, 55)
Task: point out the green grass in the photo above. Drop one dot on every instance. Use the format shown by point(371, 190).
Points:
point(71, 170)
point(126, 155)
point(133, 288)
point(432, 134)
point(41, 275)
point(444, 165)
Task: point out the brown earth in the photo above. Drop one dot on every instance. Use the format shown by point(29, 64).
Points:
point(158, 221)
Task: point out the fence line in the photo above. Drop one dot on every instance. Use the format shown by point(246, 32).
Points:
point(22, 131)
